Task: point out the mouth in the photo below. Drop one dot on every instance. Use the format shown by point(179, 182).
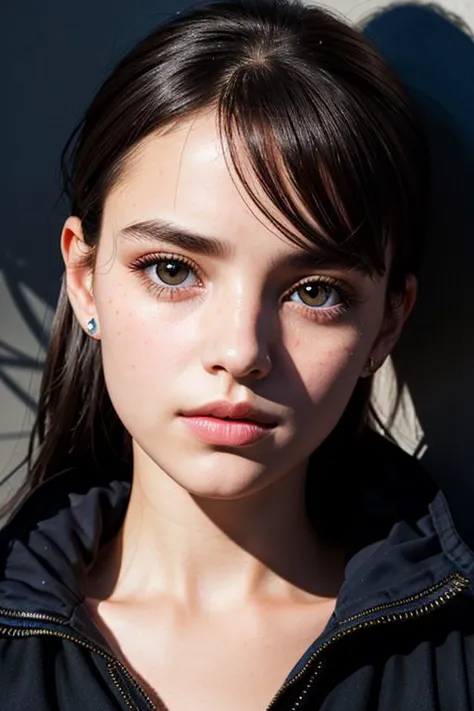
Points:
point(234, 412)
point(226, 431)
point(242, 420)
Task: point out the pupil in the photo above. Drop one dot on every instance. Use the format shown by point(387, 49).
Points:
point(172, 272)
point(172, 269)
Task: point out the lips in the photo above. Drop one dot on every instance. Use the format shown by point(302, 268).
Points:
point(229, 424)
point(226, 433)
point(224, 410)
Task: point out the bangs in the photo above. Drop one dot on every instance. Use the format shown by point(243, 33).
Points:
point(321, 156)
point(336, 152)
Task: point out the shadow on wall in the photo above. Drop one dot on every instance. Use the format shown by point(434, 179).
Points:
point(57, 54)
point(434, 54)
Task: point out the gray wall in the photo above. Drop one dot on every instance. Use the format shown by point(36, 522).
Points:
point(58, 53)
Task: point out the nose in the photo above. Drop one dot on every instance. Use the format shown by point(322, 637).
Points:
point(237, 338)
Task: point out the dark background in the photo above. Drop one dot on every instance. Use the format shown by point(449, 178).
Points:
point(55, 55)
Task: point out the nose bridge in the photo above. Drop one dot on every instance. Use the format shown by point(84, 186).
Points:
point(238, 332)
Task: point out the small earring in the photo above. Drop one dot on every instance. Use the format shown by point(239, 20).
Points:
point(370, 368)
point(373, 367)
point(92, 326)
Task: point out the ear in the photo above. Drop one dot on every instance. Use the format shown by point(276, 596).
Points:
point(393, 322)
point(78, 261)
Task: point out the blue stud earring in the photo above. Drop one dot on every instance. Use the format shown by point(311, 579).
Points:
point(92, 326)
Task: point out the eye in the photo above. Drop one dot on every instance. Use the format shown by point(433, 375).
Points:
point(317, 295)
point(171, 272)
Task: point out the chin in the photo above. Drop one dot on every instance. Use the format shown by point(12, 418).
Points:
point(225, 484)
point(221, 475)
point(216, 474)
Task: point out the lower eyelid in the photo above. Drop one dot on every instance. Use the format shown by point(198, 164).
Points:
point(323, 315)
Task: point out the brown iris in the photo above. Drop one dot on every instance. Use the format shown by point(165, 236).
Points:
point(172, 272)
point(315, 294)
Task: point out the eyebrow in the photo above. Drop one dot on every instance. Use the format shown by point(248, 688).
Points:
point(180, 237)
point(157, 230)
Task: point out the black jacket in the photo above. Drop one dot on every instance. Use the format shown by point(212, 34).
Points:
point(401, 637)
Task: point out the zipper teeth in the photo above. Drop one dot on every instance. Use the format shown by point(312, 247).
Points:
point(126, 697)
point(112, 662)
point(459, 583)
point(452, 578)
point(34, 616)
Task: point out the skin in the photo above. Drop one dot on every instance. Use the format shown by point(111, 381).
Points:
point(215, 545)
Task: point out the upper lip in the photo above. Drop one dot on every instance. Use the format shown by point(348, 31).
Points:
point(233, 411)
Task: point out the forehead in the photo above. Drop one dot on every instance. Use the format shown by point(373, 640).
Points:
point(184, 175)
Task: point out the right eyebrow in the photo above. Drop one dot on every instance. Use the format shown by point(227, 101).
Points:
point(161, 231)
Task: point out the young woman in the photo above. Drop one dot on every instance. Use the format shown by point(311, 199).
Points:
point(211, 524)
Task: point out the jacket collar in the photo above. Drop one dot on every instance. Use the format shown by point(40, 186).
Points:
point(51, 542)
point(413, 558)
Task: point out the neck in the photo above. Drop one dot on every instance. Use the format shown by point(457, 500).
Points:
point(214, 553)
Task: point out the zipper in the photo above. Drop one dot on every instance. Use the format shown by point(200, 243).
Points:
point(451, 586)
point(113, 664)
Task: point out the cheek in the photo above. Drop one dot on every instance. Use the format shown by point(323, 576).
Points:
point(144, 348)
point(331, 358)
point(329, 364)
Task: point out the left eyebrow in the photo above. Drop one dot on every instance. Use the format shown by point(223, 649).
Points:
point(180, 237)
point(157, 230)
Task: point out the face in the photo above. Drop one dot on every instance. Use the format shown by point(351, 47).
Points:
point(200, 300)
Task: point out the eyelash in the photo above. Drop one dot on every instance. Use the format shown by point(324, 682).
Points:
point(142, 263)
point(345, 292)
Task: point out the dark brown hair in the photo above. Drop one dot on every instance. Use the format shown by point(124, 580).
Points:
point(332, 139)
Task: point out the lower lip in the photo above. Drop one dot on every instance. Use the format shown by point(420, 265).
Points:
point(230, 433)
